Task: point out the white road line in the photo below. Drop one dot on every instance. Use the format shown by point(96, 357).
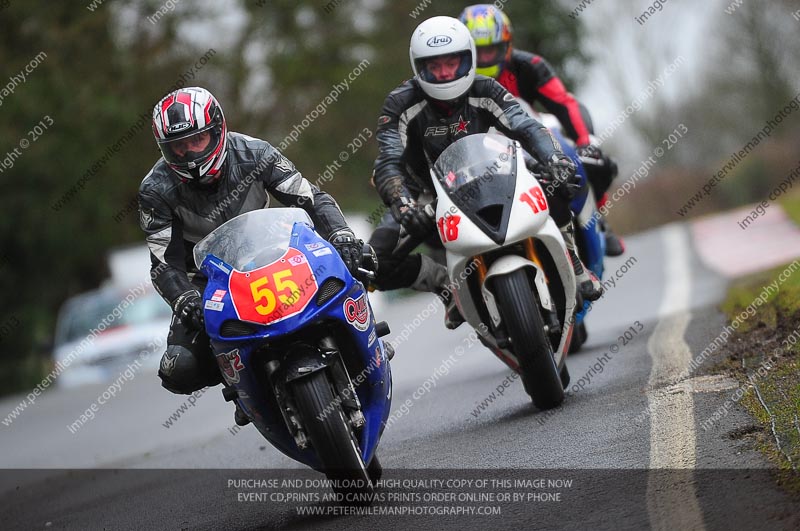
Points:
point(671, 496)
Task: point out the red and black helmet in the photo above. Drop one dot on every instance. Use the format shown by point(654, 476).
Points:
point(182, 122)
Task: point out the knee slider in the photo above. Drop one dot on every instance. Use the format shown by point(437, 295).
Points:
point(383, 242)
point(182, 373)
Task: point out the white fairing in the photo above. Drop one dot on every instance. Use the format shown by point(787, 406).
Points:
point(551, 237)
point(471, 239)
point(524, 223)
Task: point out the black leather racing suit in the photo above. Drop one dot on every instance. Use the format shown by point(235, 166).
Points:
point(412, 132)
point(176, 215)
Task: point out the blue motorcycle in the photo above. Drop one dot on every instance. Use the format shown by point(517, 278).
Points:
point(589, 234)
point(297, 343)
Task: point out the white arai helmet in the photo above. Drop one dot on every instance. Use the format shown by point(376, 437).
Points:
point(441, 36)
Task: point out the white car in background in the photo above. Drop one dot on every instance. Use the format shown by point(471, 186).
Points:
point(139, 333)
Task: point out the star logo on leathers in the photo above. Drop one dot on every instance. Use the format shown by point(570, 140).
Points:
point(452, 129)
point(462, 125)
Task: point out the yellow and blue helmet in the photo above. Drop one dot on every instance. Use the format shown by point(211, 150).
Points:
point(491, 30)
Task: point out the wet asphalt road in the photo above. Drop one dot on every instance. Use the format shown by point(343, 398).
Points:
point(601, 437)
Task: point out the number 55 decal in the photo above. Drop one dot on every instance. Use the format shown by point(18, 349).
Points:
point(287, 289)
point(271, 293)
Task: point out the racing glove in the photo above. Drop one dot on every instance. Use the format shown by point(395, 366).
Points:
point(531, 163)
point(565, 180)
point(188, 307)
point(349, 248)
point(414, 219)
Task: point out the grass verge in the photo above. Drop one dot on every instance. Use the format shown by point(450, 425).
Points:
point(791, 205)
point(764, 355)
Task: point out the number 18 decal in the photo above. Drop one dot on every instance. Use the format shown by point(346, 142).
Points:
point(535, 199)
point(448, 228)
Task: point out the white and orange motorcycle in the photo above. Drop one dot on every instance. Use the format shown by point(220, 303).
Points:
point(506, 260)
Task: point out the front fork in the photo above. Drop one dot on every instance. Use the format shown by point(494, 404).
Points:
point(326, 356)
point(549, 311)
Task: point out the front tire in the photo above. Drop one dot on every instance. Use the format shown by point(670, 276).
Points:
point(523, 321)
point(375, 470)
point(332, 438)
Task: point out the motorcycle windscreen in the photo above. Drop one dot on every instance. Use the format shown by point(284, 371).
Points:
point(253, 239)
point(478, 172)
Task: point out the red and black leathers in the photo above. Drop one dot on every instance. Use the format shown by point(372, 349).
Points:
point(531, 78)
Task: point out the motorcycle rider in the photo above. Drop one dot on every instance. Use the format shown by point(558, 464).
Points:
point(444, 101)
point(208, 175)
point(531, 78)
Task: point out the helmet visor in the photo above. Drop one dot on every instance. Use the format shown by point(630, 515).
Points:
point(444, 68)
point(191, 150)
point(491, 55)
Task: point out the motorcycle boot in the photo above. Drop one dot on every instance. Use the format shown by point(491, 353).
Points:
point(589, 286)
point(432, 277)
point(239, 417)
point(614, 244)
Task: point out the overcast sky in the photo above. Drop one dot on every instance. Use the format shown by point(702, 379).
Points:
point(629, 55)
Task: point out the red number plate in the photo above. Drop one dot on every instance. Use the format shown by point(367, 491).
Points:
point(273, 292)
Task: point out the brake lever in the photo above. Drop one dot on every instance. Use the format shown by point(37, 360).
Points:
point(542, 174)
point(592, 161)
point(369, 275)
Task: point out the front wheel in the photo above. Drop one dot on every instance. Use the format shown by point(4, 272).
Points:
point(375, 470)
point(332, 438)
point(523, 321)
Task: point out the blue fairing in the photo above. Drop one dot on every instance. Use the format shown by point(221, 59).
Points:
point(256, 398)
point(588, 232)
